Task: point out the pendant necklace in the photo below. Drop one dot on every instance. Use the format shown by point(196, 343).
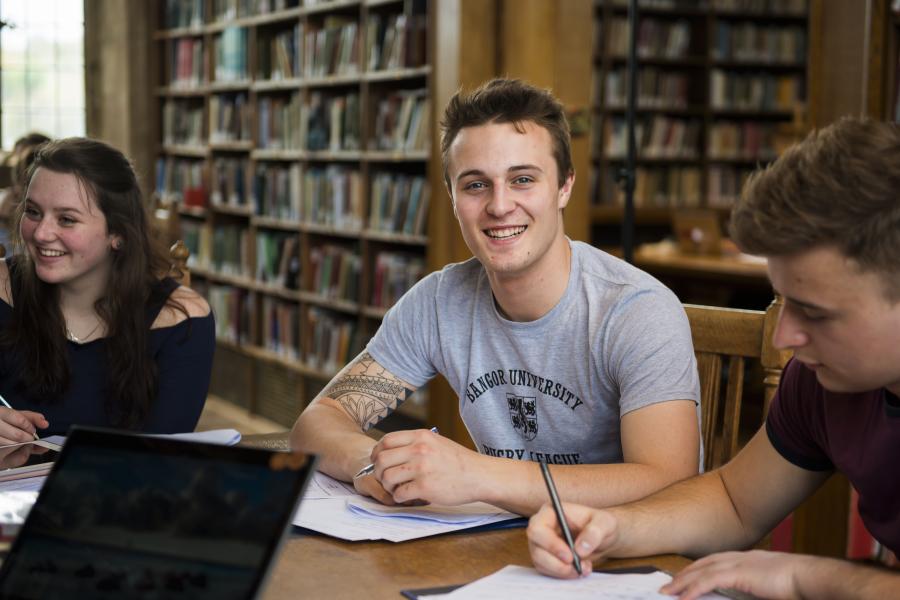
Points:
point(81, 340)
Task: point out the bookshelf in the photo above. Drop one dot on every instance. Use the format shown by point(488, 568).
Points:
point(294, 146)
point(883, 93)
point(718, 83)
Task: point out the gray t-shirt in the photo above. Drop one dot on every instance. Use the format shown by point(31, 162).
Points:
point(553, 389)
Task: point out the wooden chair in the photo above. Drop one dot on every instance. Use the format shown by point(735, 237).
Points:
point(178, 269)
point(732, 336)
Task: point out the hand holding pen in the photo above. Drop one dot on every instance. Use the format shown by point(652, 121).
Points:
point(417, 466)
point(17, 426)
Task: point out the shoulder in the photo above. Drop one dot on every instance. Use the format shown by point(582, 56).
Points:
point(182, 304)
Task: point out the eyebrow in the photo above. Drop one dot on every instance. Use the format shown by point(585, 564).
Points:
point(512, 169)
point(806, 305)
point(57, 209)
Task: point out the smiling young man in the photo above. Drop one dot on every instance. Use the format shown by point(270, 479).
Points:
point(558, 352)
point(827, 216)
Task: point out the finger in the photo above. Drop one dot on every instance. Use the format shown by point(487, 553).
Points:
point(369, 486)
point(412, 491)
point(548, 536)
point(12, 429)
point(550, 564)
point(397, 439)
point(35, 418)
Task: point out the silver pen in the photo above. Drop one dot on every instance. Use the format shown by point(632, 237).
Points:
point(6, 404)
point(370, 468)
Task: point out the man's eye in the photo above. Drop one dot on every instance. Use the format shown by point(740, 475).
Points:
point(475, 185)
point(522, 180)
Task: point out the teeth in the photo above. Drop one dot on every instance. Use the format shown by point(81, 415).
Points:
point(505, 232)
point(44, 252)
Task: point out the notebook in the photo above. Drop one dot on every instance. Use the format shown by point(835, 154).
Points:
point(129, 516)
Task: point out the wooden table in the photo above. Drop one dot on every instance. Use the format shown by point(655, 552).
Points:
point(312, 566)
point(668, 259)
point(316, 566)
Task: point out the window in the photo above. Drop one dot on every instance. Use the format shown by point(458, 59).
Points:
point(42, 68)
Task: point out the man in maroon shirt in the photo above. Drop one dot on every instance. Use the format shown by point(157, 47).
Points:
point(827, 216)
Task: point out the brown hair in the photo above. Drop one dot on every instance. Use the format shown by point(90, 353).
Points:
point(37, 329)
point(838, 187)
point(509, 101)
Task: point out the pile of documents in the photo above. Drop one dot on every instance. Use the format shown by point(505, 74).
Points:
point(336, 509)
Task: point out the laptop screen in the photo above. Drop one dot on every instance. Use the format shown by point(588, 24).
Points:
point(125, 516)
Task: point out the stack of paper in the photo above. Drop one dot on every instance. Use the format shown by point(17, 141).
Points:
point(334, 508)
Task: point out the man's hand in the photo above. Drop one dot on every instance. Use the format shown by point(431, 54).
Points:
point(369, 485)
point(772, 575)
point(18, 426)
point(422, 465)
point(595, 532)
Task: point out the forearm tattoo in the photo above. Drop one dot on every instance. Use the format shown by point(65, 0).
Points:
point(368, 396)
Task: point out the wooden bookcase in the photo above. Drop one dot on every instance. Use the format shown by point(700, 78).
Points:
point(718, 82)
point(883, 61)
point(294, 149)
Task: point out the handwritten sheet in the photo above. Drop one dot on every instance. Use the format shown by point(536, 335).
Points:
point(524, 583)
point(336, 509)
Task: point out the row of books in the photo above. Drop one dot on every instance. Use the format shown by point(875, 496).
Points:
point(657, 187)
point(333, 196)
point(401, 121)
point(724, 184)
point(746, 141)
point(183, 123)
point(187, 69)
point(656, 137)
point(230, 51)
point(335, 272)
point(184, 13)
point(279, 55)
point(333, 122)
point(747, 41)
point(276, 191)
point(656, 38)
point(229, 118)
point(278, 259)
point(334, 339)
point(755, 92)
point(229, 181)
point(395, 41)
point(333, 49)
point(657, 88)
point(181, 180)
point(281, 122)
point(233, 308)
point(399, 203)
point(280, 327)
point(395, 273)
point(224, 249)
point(777, 7)
point(323, 123)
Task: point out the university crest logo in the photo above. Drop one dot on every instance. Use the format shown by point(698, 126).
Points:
point(523, 414)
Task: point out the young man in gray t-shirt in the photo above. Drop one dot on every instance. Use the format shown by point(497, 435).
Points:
point(559, 353)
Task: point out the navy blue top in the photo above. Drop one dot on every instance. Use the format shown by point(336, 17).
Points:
point(183, 354)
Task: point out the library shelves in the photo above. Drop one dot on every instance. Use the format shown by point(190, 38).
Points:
point(718, 82)
point(294, 149)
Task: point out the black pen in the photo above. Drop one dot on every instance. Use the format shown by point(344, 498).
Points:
point(557, 507)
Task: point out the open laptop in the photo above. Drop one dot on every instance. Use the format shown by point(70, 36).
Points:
point(128, 516)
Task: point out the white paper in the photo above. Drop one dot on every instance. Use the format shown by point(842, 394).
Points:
point(223, 437)
point(524, 583)
point(326, 508)
point(321, 486)
point(27, 484)
point(466, 514)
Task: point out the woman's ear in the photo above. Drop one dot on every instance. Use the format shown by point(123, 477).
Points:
point(116, 242)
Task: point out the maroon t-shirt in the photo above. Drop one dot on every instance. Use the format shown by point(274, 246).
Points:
point(857, 434)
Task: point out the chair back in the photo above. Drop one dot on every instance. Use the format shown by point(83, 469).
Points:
point(725, 339)
point(178, 269)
